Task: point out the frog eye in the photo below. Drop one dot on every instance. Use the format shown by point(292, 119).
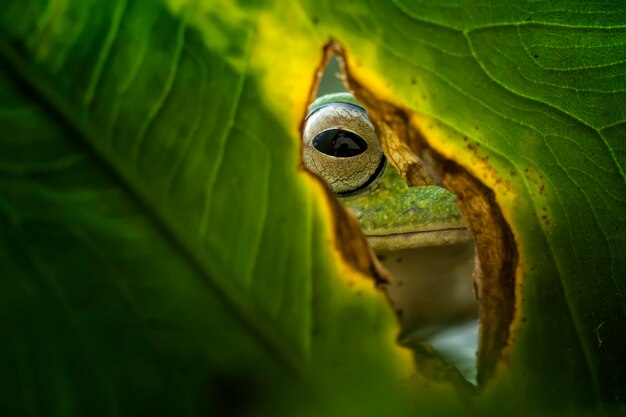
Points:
point(341, 146)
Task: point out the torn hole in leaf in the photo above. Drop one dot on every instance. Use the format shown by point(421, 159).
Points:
point(435, 276)
point(416, 232)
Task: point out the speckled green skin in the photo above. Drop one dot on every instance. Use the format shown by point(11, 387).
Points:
point(392, 207)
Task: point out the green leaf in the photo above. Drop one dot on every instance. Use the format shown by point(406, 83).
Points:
point(163, 252)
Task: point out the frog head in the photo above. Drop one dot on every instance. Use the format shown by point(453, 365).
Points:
point(341, 146)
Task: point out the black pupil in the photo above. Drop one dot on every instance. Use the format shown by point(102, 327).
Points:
point(339, 143)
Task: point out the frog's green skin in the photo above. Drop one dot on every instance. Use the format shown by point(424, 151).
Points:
point(334, 98)
point(394, 216)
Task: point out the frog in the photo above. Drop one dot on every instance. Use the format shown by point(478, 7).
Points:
point(417, 232)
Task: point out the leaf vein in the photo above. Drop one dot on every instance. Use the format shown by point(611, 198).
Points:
point(167, 88)
point(221, 148)
point(118, 15)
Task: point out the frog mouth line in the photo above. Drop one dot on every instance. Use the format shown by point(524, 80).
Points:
point(409, 240)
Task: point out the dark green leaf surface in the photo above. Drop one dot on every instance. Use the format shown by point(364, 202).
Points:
point(161, 253)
